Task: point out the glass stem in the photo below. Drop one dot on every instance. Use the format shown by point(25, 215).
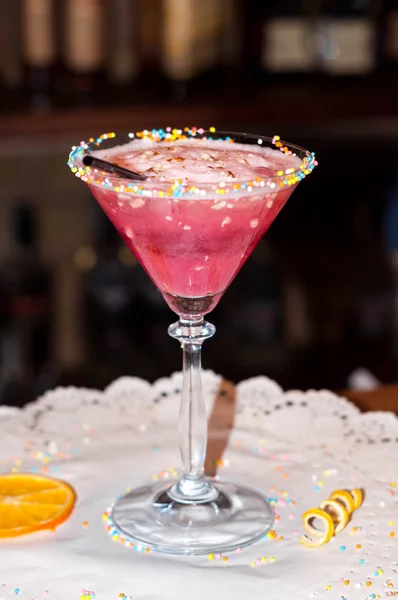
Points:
point(192, 487)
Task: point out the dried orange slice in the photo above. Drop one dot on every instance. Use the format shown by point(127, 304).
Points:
point(338, 513)
point(323, 536)
point(30, 503)
point(357, 496)
point(345, 498)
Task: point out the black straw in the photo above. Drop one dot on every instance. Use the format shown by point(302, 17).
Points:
point(98, 163)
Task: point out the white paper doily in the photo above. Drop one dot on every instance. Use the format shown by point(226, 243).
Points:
point(296, 447)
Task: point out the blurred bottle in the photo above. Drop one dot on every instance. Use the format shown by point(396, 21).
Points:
point(260, 321)
point(84, 48)
point(376, 311)
point(150, 25)
point(390, 37)
point(60, 77)
point(123, 61)
point(38, 20)
point(152, 80)
point(25, 354)
point(279, 37)
point(346, 37)
point(390, 242)
point(156, 317)
point(109, 318)
point(11, 67)
point(194, 41)
point(231, 40)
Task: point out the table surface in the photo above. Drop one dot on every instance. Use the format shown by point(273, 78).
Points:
point(90, 561)
point(383, 398)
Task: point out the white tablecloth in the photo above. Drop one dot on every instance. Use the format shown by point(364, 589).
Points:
point(295, 447)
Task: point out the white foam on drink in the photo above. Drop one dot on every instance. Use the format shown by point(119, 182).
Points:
point(198, 161)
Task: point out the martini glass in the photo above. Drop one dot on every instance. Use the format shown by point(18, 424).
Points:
point(192, 240)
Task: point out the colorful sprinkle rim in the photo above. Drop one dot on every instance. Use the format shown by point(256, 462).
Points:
point(176, 188)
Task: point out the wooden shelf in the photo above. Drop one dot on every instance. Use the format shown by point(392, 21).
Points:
point(278, 106)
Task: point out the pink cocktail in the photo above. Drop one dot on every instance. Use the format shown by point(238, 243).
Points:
point(205, 201)
point(193, 247)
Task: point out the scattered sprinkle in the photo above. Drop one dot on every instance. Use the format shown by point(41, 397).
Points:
point(87, 595)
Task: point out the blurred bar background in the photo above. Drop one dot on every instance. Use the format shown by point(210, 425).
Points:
point(318, 298)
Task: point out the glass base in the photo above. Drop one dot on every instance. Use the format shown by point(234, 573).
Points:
point(237, 517)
